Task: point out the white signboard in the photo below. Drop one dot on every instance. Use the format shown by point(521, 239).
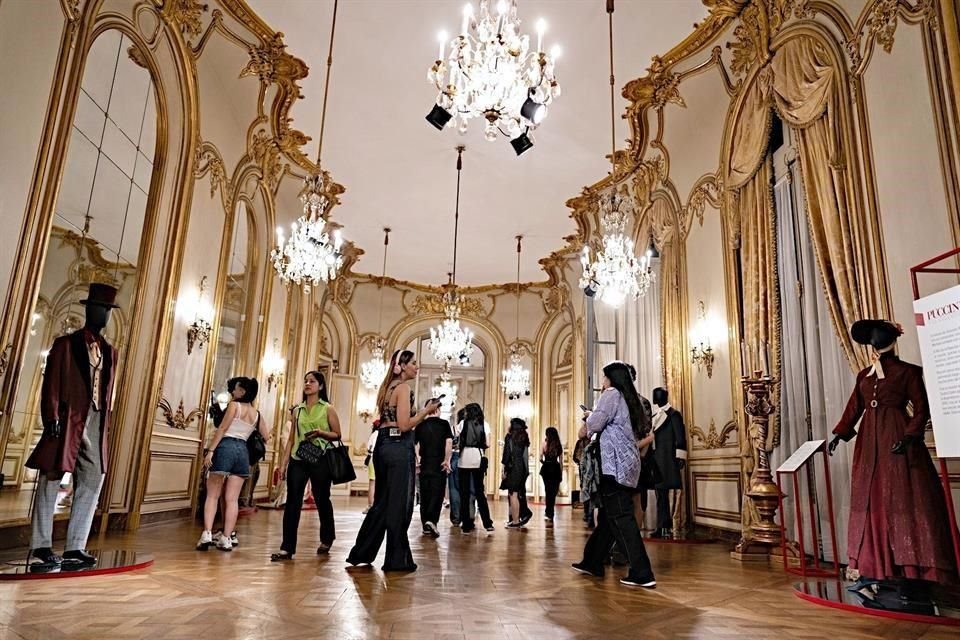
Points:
point(938, 327)
point(801, 455)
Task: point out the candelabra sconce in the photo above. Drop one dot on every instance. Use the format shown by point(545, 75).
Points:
point(273, 366)
point(366, 409)
point(199, 331)
point(763, 535)
point(702, 356)
point(365, 414)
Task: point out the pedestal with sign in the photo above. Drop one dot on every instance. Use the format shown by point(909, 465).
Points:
point(804, 455)
point(938, 329)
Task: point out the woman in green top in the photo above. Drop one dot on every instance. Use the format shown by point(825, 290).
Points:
point(316, 421)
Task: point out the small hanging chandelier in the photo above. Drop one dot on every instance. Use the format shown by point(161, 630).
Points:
point(448, 390)
point(615, 273)
point(490, 73)
point(374, 370)
point(516, 380)
point(313, 255)
point(449, 341)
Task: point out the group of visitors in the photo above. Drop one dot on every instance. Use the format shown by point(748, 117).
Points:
point(407, 443)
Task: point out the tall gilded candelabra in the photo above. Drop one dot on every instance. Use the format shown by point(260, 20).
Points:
point(763, 536)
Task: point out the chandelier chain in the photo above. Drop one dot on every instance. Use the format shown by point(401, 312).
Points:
point(383, 277)
point(456, 213)
point(326, 82)
point(519, 240)
point(613, 113)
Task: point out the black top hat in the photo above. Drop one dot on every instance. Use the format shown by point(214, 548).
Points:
point(101, 294)
point(862, 332)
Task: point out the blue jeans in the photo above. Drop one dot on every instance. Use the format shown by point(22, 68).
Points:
point(453, 483)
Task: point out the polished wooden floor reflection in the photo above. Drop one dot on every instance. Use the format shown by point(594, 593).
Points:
point(508, 584)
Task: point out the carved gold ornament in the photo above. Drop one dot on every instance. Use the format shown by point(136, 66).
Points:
point(713, 439)
point(178, 419)
point(185, 14)
point(435, 305)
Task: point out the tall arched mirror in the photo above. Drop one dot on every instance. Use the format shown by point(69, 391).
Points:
point(96, 236)
point(467, 379)
point(238, 283)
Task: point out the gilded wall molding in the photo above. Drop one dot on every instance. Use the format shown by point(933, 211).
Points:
point(185, 15)
point(713, 439)
point(877, 25)
point(178, 419)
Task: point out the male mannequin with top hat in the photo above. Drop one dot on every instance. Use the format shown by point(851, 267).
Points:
point(75, 409)
point(898, 524)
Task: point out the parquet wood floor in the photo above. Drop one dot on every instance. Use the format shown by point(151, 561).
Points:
point(509, 584)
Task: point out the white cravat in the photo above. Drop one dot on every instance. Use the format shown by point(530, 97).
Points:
point(660, 416)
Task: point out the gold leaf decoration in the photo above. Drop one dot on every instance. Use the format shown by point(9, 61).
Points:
point(178, 419)
point(434, 305)
point(713, 439)
point(185, 14)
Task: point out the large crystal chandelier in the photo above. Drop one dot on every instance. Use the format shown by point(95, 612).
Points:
point(374, 371)
point(491, 72)
point(313, 254)
point(615, 273)
point(449, 340)
point(516, 379)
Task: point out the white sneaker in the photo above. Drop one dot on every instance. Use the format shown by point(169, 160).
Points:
point(234, 540)
point(206, 541)
point(224, 544)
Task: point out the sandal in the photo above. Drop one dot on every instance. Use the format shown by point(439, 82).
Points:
point(280, 557)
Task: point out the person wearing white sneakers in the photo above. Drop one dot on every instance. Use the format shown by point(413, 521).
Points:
point(228, 462)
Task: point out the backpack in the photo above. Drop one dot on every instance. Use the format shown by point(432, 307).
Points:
point(590, 470)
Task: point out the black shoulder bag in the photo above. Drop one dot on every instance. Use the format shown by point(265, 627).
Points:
point(306, 450)
point(256, 445)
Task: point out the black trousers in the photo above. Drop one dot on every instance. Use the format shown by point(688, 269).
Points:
point(392, 510)
point(298, 472)
point(432, 485)
point(471, 484)
point(616, 523)
point(552, 487)
point(664, 512)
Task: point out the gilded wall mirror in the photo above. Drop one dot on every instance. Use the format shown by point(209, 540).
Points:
point(96, 236)
point(239, 285)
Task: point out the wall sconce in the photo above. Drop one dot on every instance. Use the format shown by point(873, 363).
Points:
point(701, 354)
point(273, 366)
point(198, 332)
point(365, 408)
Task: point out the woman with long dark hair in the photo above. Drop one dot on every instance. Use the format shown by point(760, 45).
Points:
point(516, 468)
point(551, 453)
point(228, 463)
point(623, 425)
point(314, 421)
point(474, 439)
point(394, 461)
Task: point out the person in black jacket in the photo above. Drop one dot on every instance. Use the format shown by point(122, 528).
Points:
point(670, 452)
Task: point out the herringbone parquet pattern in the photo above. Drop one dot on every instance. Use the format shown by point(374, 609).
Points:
point(510, 585)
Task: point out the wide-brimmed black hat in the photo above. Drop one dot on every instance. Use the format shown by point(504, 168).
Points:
point(862, 332)
point(101, 294)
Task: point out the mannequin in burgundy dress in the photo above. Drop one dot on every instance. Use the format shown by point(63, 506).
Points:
point(898, 516)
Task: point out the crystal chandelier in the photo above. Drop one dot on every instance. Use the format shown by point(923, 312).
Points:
point(491, 72)
point(516, 379)
point(446, 389)
point(374, 371)
point(615, 273)
point(313, 255)
point(449, 340)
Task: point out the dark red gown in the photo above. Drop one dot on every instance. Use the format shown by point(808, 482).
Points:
point(898, 515)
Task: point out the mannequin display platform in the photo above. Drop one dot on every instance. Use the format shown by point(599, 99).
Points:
point(106, 561)
point(940, 605)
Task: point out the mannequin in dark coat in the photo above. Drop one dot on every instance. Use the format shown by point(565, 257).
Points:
point(898, 515)
point(670, 452)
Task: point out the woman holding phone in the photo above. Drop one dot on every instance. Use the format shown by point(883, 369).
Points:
point(394, 461)
point(316, 422)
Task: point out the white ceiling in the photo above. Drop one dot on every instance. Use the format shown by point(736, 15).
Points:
point(400, 172)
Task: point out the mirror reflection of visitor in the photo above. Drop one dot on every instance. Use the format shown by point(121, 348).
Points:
point(394, 461)
point(315, 422)
point(551, 456)
point(618, 418)
point(227, 461)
